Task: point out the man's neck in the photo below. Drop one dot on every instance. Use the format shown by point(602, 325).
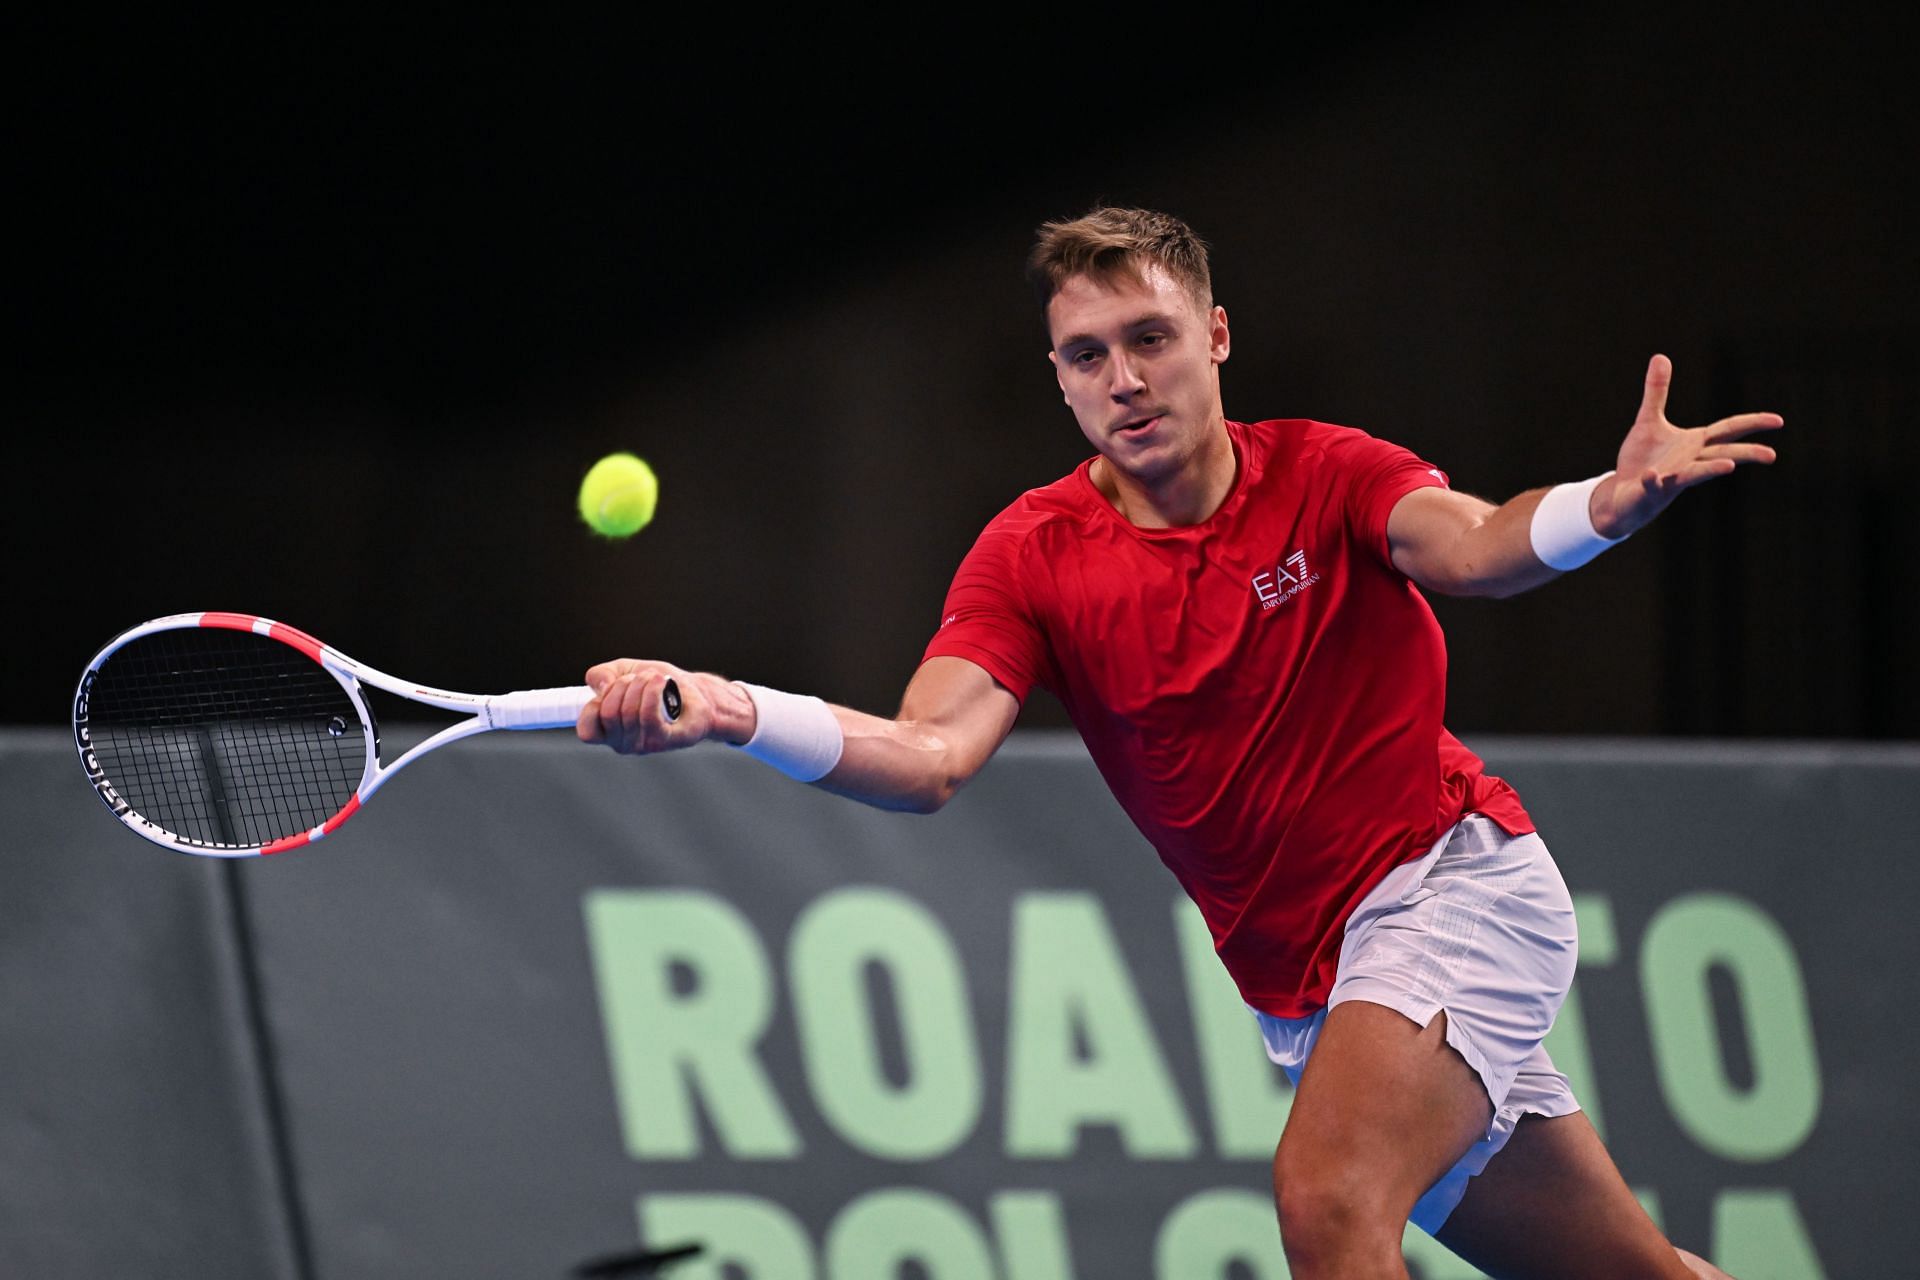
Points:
point(1186, 497)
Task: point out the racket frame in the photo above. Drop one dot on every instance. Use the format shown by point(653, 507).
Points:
point(525, 709)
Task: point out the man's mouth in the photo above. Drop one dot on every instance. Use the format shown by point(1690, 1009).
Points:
point(1139, 426)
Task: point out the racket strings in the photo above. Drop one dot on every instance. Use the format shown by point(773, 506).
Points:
point(225, 737)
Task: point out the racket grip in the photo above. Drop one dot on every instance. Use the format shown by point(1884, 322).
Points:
point(537, 708)
point(555, 708)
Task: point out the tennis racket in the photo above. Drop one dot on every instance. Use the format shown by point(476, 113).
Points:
point(230, 735)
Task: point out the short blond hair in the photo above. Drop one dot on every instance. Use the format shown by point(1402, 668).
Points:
point(1109, 244)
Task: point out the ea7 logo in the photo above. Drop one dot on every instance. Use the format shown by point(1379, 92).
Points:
point(1284, 581)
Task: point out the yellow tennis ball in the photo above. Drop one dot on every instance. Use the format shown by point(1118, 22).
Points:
point(617, 496)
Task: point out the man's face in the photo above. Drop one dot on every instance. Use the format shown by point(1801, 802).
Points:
point(1139, 363)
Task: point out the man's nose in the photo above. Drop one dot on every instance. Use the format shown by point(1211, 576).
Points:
point(1127, 381)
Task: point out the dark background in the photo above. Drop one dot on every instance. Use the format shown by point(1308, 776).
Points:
point(325, 323)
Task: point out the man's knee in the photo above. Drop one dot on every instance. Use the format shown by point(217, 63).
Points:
point(1329, 1217)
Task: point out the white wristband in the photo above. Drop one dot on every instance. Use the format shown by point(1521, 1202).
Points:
point(1562, 533)
point(796, 734)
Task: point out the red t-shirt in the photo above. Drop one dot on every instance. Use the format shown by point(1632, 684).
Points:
point(1263, 691)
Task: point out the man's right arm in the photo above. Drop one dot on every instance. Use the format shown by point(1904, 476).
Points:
point(953, 717)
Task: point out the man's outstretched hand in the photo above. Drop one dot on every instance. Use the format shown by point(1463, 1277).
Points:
point(1659, 460)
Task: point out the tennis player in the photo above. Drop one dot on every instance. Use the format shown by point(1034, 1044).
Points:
point(1232, 614)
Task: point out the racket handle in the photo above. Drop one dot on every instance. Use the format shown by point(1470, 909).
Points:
point(537, 708)
point(555, 708)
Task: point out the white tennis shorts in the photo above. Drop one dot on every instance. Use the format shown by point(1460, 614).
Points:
point(1482, 927)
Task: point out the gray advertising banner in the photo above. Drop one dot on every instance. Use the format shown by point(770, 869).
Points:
point(540, 1004)
point(135, 1131)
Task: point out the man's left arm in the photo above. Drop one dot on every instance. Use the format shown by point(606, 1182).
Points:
point(1457, 544)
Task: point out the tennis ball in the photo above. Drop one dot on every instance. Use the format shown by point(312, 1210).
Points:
point(618, 495)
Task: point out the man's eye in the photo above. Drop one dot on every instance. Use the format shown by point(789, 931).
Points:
point(1152, 339)
point(1085, 357)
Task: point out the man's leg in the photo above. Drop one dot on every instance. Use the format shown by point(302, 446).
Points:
point(1552, 1204)
point(1384, 1108)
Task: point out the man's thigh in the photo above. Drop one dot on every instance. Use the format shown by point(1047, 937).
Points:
point(1552, 1204)
point(1384, 1108)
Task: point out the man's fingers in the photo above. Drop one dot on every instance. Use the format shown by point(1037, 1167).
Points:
point(1686, 476)
point(630, 715)
point(602, 674)
point(606, 715)
point(1706, 469)
point(1653, 403)
point(629, 712)
point(1739, 452)
point(632, 707)
point(588, 726)
point(646, 709)
point(1743, 424)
